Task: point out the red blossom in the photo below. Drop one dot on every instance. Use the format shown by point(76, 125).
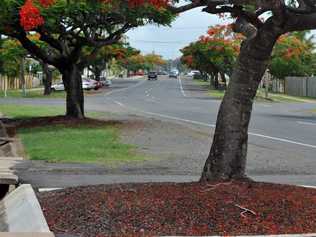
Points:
point(30, 16)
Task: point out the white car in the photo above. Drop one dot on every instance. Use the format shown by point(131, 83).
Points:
point(86, 85)
point(58, 86)
point(193, 72)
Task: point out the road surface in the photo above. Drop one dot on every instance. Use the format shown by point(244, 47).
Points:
point(282, 144)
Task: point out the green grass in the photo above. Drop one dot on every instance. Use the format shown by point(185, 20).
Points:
point(34, 93)
point(81, 144)
point(260, 97)
point(30, 111)
point(219, 94)
point(278, 97)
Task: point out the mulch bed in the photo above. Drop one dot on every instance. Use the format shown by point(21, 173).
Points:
point(58, 120)
point(181, 209)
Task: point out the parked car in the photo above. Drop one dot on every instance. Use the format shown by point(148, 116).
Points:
point(193, 73)
point(152, 75)
point(105, 82)
point(59, 86)
point(88, 84)
point(174, 74)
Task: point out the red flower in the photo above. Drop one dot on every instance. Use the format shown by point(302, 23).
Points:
point(30, 16)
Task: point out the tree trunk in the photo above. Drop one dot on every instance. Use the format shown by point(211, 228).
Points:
point(73, 85)
point(211, 80)
point(223, 80)
point(216, 83)
point(227, 157)
point(47, 79)
point(22, 77)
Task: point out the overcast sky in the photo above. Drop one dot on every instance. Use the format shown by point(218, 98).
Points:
point(167, 41)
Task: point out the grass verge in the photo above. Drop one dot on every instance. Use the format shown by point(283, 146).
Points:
point(260, 97)
point(82, 144)
point(34, 93)
point(97, 142)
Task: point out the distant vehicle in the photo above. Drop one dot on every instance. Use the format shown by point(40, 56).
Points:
point(152, 75)
point(193, 73)
point(88, 84)
point(173, 74)
point(59, 86)
point(105, 82)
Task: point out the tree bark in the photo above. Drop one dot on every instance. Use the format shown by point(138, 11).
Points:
point(47, 78)
point(73, 85)
point(227, 157)
point(223, 80)
point(22, 77)
point(216, 83)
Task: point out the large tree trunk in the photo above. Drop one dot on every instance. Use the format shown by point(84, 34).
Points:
point(47, 79)
point(227, 157)
point(75, 97)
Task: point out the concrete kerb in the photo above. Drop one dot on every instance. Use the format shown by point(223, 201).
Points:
point(285, 235)
point(21, 212)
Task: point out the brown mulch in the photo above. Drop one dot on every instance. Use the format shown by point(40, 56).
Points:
point(181, 209)
point(58, 120)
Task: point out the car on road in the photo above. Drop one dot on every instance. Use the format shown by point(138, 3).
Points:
point(87, 84)
point(105, 82)
point(193, 73)
point(59, 86)
point(152, 75)
point(174, 74)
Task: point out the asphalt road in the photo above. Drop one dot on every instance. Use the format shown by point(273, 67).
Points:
point(282, 135)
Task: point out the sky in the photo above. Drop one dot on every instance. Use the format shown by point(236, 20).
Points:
point(167, 41)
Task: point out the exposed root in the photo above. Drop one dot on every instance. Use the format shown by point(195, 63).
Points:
point(214, 186)
point(245, 210)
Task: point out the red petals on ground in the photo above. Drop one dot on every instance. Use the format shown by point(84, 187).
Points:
point(181, 209)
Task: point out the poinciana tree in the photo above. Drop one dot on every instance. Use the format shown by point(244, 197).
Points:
point(293, 55)
point(68, 26)
point(227, 157)
point(71, 24)
point(214, 53)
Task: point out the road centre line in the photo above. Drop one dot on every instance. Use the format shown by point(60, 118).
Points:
point(284, 140)
point(181, 87)
point(124, 89)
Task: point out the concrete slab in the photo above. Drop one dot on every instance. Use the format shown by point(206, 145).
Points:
point(7, 178)
point(11, 158)
point(20, 212)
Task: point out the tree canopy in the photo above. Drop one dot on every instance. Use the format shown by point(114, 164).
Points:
point(74, 31)
point(215, 52)
point(293, 55)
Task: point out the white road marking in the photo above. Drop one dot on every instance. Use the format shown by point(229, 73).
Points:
point(306, 123)
point(124, 89)
point(213, 126)
point(119, 103)
point(181, 87)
